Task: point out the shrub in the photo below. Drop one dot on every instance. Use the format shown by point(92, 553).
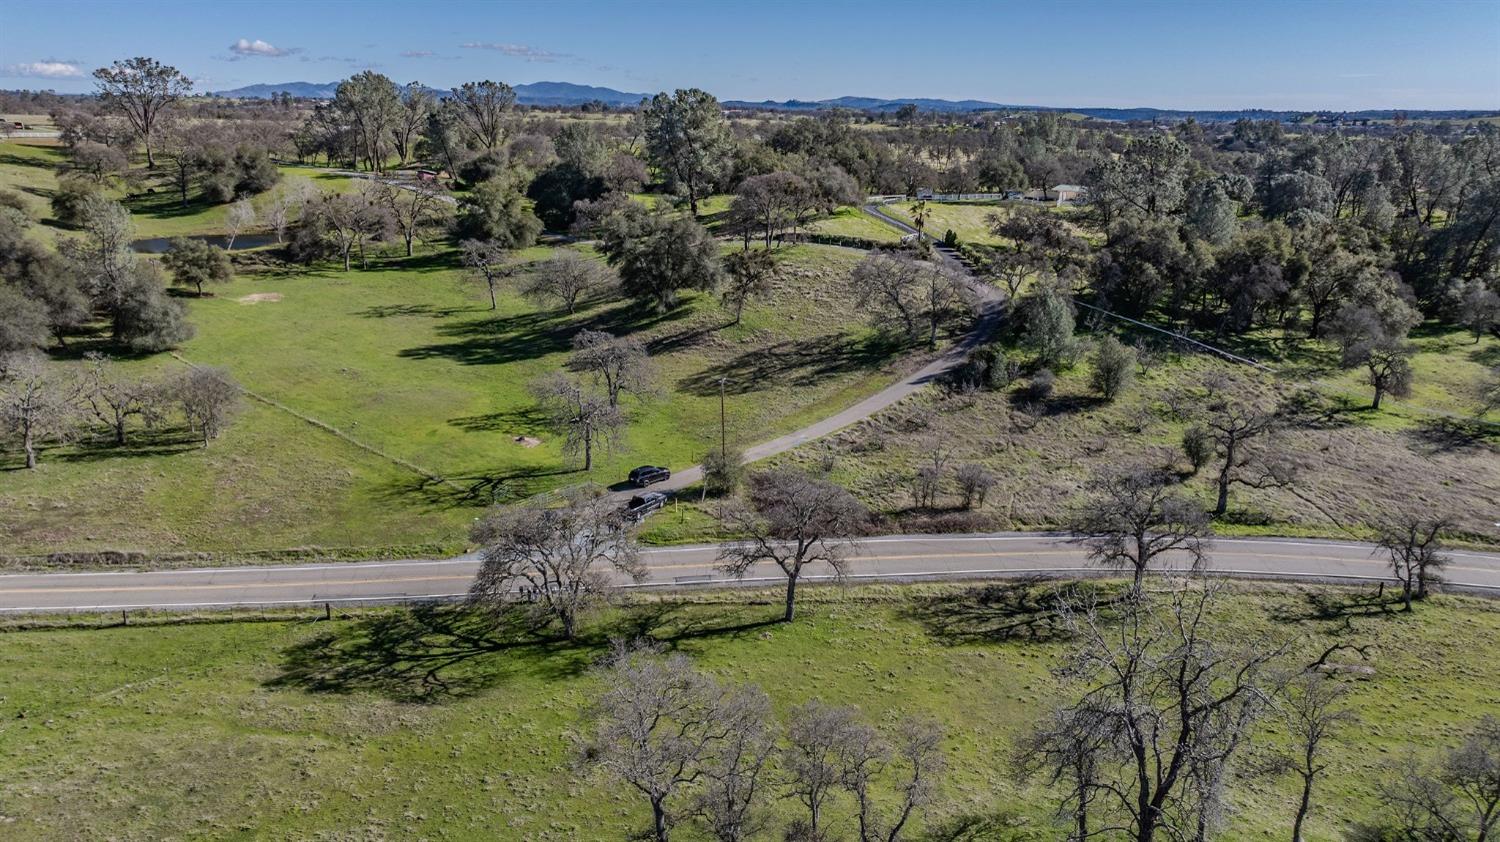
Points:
point(1041, 386)
point(723, 471)
point(1047, 325)
point(1197, 446)
point(974, 483)
point(72, 196)
point(1113, 368)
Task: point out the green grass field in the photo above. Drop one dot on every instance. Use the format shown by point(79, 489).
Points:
point(311, 729)
point(408, 359)
point(853, 222)
point(969, 221)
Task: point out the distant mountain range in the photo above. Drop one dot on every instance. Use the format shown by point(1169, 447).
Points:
point(535, 93)
point(567, 93)
point(886, 106)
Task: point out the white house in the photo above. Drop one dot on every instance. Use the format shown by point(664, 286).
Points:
point(1067, 193)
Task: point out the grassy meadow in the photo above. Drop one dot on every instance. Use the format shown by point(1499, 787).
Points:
point(434, 724)
point(407, 361)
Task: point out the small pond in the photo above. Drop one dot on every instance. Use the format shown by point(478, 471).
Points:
point(158, 245)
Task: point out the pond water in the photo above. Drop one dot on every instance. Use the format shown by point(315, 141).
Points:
point(158, 245)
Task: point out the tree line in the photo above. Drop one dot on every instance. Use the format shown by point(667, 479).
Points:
point(43, 405)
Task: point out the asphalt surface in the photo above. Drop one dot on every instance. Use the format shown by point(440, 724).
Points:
point(891, 558)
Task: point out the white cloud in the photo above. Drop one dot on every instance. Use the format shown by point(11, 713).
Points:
point(418, 54)
point(520, 51)
point(47, 69)
point(246, 47)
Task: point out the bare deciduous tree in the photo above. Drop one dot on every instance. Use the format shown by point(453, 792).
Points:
point(817, 736)
point(561, 554)
point(1232, 426)
point(735, 772)
point(907, 291)
point(660, 724)
point(1414, 543)
point(1313, 707)
point(748, 275)
point(480, 111)
point(1387, 370)
point(619, 364)
point(914, 752)
point(1041, 243)
point(1067, 749)
point(207, 397)
point(927, 482)
point(1135, 516)
point(1456, 799)
point(114, 399)
point(240, 217)
point(286, 202)
point(487, 264)
point(566, 278)
point(974, 483)
point(830, 749)
point(414, 208)
point(793, 520)
point(585, 420)
point(35, 402)
point(1160, 712)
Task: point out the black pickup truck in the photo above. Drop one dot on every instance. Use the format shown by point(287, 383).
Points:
point(642, 505)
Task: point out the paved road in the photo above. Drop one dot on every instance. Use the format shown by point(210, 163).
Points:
point(892, 558)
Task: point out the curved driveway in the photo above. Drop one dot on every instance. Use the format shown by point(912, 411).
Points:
point(890, 558)
point(989, 307)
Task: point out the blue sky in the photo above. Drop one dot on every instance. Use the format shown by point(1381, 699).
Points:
point(1316, 54)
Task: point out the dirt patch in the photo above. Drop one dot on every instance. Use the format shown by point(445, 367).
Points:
point(258, 297)
point(527, 441)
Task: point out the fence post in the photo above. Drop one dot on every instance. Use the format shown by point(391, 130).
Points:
point(328, 611)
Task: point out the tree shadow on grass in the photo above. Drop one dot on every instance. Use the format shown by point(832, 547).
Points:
point(42, 193)
point(138, 444)
point(167, 205)
point(388, 311)
point(1024, 400)
point(799, 362)
point(498, 339)
point(472, 490)
point(1449, 435)
point(424, 654)
point(673, 624)
point(10, 159)
point(523, 420)
point(1488, 355)
point(83, 343)
point(1026, 610)
point(1338, 606)
point(431, 654)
